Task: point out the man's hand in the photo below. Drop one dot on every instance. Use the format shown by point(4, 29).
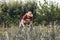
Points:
point(28, 20)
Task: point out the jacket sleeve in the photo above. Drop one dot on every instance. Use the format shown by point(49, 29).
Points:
point(24, 17)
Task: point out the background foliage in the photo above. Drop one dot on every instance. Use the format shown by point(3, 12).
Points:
point(12, 12)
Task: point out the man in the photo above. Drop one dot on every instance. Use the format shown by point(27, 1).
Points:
point(27, 18)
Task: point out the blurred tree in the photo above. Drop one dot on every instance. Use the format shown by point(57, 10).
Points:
point(12, 12)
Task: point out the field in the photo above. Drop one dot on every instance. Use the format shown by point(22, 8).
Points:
point(38, 33)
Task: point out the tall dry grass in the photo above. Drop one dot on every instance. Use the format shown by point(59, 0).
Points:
point(38, 33)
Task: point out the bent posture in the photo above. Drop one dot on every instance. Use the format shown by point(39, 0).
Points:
point(27, 18)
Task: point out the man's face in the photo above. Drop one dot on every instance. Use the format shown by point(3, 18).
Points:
point(30, 13)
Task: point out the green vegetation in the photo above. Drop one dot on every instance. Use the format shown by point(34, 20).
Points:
point(12, 12)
